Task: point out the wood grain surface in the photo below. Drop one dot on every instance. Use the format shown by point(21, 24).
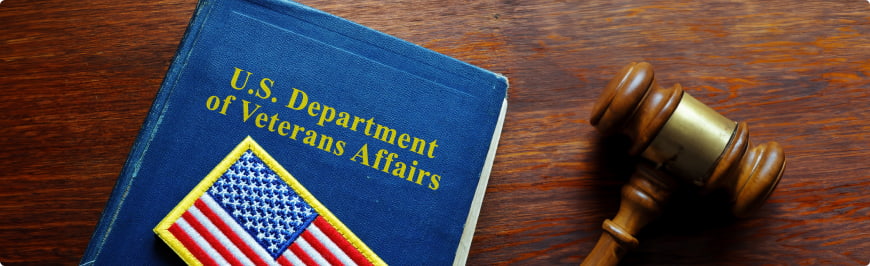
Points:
point(78, 78)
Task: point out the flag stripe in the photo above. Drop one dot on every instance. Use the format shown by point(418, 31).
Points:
point(311, 252)
point(291, 258)
point(342, 242)
point(320, 248)
point(306, 260)
point(190, 243)
point(284, 261)
point(199, 240)
point(224, 241)
point(199, 230)
point(229, 227)
point(329, 244)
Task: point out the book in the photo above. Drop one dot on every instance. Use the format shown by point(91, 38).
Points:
point(284, 134)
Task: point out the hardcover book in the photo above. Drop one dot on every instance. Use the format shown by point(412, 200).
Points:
point(285, 135)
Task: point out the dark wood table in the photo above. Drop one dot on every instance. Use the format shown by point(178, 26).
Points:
point(78, 78)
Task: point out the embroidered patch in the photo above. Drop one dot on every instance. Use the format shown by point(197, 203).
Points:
point(250, 211)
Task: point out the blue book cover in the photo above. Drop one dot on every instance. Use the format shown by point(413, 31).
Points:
point(285, 135)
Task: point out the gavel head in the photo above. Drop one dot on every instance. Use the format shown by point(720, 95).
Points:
point(687, 139)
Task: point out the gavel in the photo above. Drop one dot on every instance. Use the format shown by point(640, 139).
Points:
point(683, 142)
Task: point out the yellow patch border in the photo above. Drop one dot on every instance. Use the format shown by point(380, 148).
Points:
point(162, 228)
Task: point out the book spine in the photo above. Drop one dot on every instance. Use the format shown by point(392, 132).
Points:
point(146, 134)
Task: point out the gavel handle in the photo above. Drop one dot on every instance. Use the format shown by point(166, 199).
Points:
point(642, 199)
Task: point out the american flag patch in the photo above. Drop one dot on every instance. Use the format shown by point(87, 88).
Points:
point(250, 211)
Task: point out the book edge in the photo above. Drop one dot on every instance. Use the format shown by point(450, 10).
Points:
point(464, 246)
point(384, 41)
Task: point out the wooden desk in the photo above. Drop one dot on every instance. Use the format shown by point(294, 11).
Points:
point(78, 78)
